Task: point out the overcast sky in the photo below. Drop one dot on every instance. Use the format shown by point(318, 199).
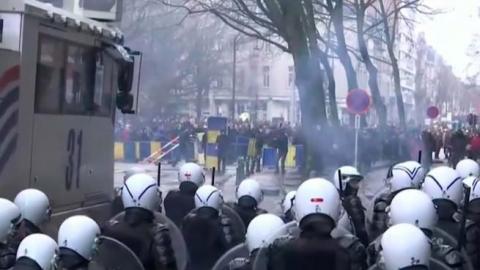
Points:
point(451, 32)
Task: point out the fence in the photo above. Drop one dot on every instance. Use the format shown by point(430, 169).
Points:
point(137, 151)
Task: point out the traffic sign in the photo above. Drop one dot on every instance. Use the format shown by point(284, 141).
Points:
point(433, 112)
point(358, 101)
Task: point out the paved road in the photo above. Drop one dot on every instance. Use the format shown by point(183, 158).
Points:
point(274, 186)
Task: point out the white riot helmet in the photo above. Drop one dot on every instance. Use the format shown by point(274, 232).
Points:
point(251, 188)
point(317, 195)
point(191, 172)
point(414, 169)
point(348, 173)
point(443, 183)
point(79, 234)
point(413, 207)
point(9, 217)
point(141, 191)
point(209, 196)
point(288, 201)
point(39, 248)
point(34, 205)
point(405, 245)
point(132, 171)
point(468, 167)
point(261, 230)
point(402, 176)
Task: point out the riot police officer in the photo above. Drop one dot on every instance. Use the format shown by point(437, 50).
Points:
point(444, 186)
point(467, 167)
point(350, 179)
point(149, 240)
point(117, 205)
point(76, 239)
point(178, 203)
point(404, 246)
point(416, 207)
point(249, 196)
point(260, 234)
point(287, 207)
point(472, 236)
point(36, 252)
point(401, 176)
point(9, 218)
point(208, 233)
point(35, 208)
point(317, 209)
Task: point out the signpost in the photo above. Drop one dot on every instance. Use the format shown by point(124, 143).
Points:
point(433, 112)
point(358, 103)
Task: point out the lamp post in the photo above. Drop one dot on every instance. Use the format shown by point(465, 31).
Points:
point(234, 75)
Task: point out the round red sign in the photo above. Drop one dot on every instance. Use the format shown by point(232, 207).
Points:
point(433, 112)
point(358, 101)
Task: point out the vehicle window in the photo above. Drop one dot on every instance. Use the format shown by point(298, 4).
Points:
point(102, 99)
point(78, 79)
point(50, 67)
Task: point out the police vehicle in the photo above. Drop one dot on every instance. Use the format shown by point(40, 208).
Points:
point(63, 73)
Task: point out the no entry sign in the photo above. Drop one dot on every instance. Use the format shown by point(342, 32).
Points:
point(358, 101)
point(433, 112)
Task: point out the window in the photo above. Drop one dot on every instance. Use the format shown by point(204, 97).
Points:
point(73, 79)
point(266, 76)
point(291, 75)
point(78, 79)
point(268, 47)
point(104, 82)
point(50, 69)
point(258, 44)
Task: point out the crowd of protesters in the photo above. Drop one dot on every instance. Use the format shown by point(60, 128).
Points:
point(332, 146)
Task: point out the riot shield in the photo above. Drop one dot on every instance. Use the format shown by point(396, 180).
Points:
point(238, 251)
point(261, 260)
point(178, 243)
point(448, 239)
point(114, 255)
point(238, 227)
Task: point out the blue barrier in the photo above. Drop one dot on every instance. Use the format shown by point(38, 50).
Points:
point(144, 150)
point(269, 158)
point(240, 146)
point(299, 156)
point(130, 151)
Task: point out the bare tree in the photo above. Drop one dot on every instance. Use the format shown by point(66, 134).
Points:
point(180, 60)
point(391, 13)
point(335, 9)
point(420, 76)
point(361, 7)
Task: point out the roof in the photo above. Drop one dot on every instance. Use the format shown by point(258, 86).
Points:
point(62, 17)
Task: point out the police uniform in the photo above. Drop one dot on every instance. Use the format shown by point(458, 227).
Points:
point(7, 256)
point(178, 203)
point(150, 241)
point(246, 213)
point(356, 213)
point(379, 222)
point(25, 228)
point(209, 235)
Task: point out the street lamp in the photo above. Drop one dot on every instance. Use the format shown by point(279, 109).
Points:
point(234, 76)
